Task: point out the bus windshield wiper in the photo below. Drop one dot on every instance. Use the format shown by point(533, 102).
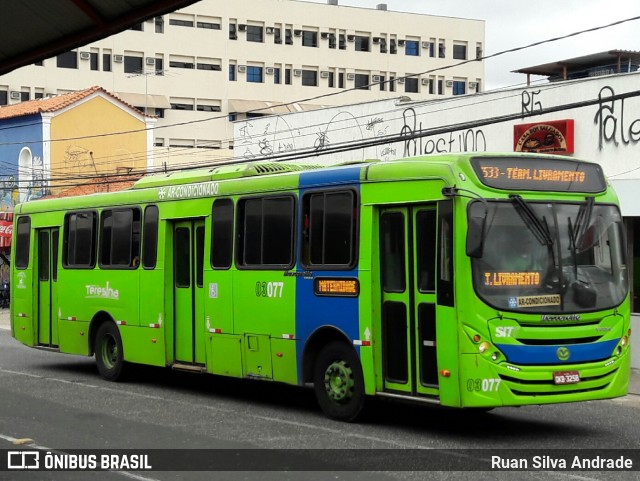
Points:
point(582, 220)
point(540, 229)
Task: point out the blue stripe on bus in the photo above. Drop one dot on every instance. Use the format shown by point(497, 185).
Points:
point(519, 354)
point(313, 312)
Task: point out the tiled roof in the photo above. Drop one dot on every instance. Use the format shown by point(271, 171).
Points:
point(52, 104)
point(97, 187)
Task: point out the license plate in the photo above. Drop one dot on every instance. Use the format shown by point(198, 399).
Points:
point(566, 377)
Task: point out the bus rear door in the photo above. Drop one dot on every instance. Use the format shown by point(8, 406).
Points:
point(407, 237)
point(47, 256)
point(188, 270)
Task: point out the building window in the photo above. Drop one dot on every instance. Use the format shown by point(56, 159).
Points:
point(361, 43)
point(159, 24)
point(38, 95)
point(309, 39)
point(208, 66)
point(411, 85)
point(362, 81)
point(342, 41)
point(276, 75)
point(255, 34)
point(393, 48)
point(277, 35)
point(459, 87)
point(159, 67)
point(24, 96)
point(179, 64)
point(287, 76)
point(137, 27)
point(93, 60)
point(440, 87)
point(383, 83)
point(432, 49)
point(332, 82)
point(208, 25)
point(288, 36)
point(233, 32)
point(254, 74)
point(332, 40)
point(40, 63)
point(412, 48)
point(341, 80)
point(132, 64)
point(383, 45)
point(181, 23)
point(310, 78)
point(106, 62)
point(460, 52)
point(441, 50)
point(208, 108)
point(158, 112)
point(181, 106)
point(232, 72)
point(67, 60)
point(265, 236)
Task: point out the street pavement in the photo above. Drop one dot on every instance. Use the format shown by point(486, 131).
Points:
point(634, 382)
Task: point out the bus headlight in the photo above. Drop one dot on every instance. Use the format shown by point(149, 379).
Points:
point(624, 341)
point(484, 347)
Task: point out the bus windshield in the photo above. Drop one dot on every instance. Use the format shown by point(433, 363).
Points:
point(549, 257)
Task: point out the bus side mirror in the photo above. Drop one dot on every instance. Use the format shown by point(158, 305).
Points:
point(475, 236)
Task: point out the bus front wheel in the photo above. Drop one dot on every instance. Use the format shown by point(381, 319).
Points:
point(109, 352)
point(338, 382)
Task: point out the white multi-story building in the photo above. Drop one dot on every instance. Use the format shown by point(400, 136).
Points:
point(204, 66)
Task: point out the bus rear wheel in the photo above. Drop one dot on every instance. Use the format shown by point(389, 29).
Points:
point(109, 352)
point(338, 382)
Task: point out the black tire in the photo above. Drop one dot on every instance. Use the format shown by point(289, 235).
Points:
point(338, 382)
point(109, 352)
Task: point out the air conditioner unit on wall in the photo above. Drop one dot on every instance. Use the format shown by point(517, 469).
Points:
point(242, 68)
point(297, 73)
point(118, 58)
point(324, 74)
point(401, 80)
point(425, 81)
point(473, 85)
point(376, 39)
point(324, 35)
point(269, 70)
point(351, 38)
point(449, 83)
point(150, 61)
point(401, 42)
point(425, 44)
point(297, 33)
point(269, 30)
point(85, 55)
point(242, 27)
point(376, 78)
point(15, 95)
point(351, 76)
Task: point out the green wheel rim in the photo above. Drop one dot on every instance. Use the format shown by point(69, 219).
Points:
point(109, 351)
point(338, 382)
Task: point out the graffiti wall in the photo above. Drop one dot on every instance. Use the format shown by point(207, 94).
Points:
point(602, 113)
point(20, 160)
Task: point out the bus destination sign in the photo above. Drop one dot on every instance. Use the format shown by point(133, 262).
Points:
point(336, 286)
point(522, 173)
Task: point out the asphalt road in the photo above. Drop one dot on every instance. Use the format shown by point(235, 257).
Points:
point(61, 403)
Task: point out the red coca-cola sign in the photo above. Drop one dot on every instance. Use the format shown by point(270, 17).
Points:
point(6, 229)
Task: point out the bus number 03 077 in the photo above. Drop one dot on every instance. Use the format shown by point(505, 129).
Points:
point(269, 289)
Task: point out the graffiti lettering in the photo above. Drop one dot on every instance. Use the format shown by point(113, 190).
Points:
point(470, 140)
point(529, 103)
point(611, 125)
point(372, 123)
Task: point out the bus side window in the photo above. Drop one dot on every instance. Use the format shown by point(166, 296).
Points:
point(150, 237)
point(80, 229)
point(329, 229)
point(23, 243)
point(222, 233)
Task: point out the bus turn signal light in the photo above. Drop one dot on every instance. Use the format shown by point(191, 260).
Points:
point(445, 373)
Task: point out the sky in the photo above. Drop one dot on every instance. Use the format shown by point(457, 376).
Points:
point(515, 23)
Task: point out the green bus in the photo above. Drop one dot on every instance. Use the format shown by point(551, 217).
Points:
point(464, 280)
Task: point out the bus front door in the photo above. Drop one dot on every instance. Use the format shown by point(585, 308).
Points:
point(47, 256)
point(188, 315)
point(407, 238)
